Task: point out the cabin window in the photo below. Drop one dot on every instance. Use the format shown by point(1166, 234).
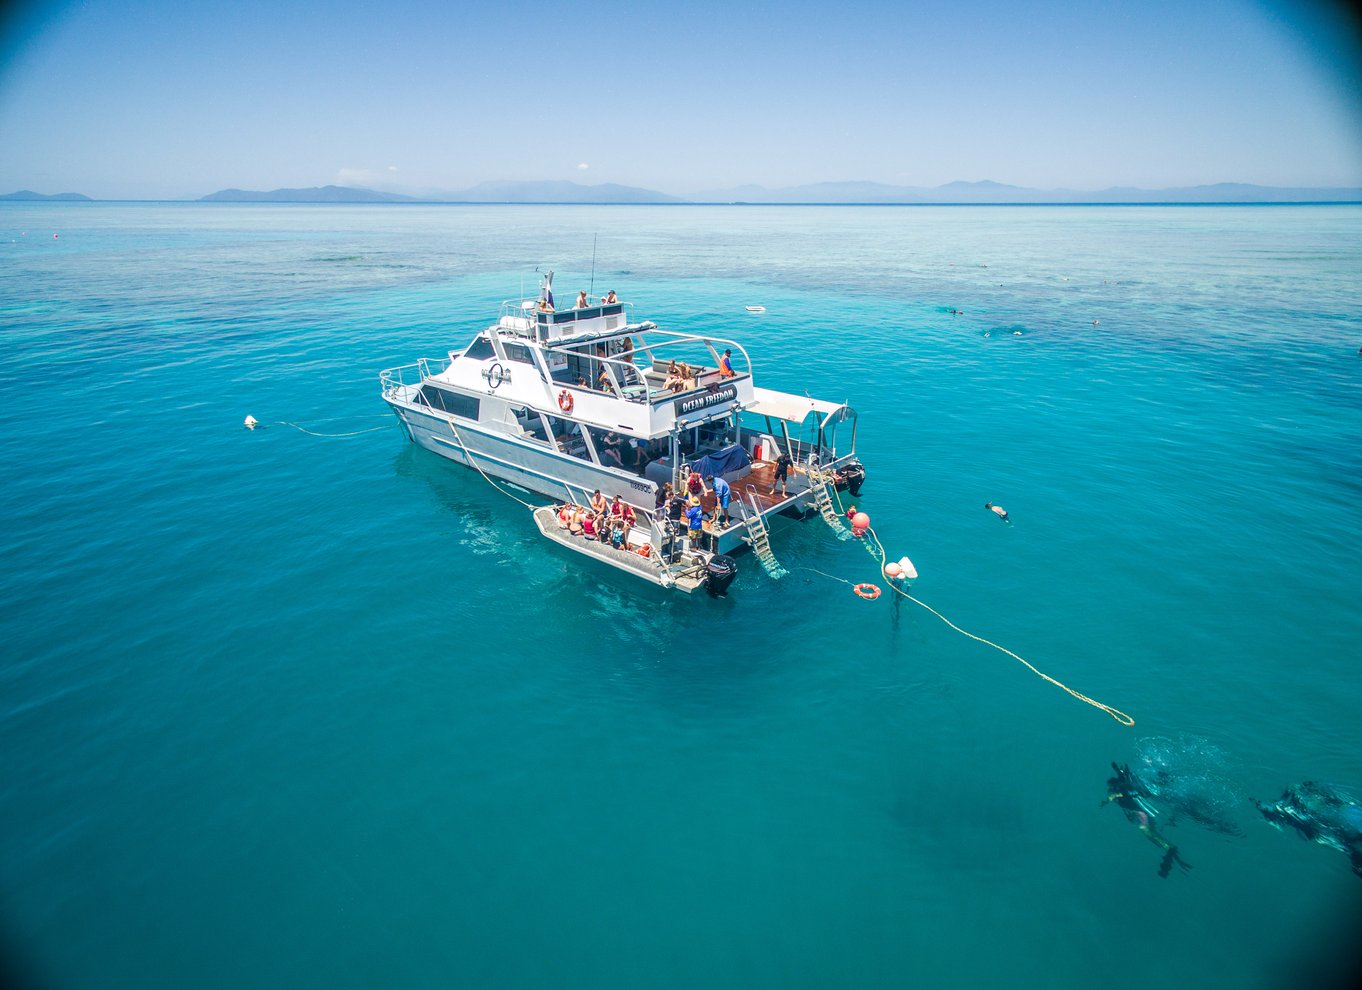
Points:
point(518, 352)
point(451, 402)
point(480, 350)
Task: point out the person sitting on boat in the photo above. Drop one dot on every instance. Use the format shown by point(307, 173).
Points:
point(673, 382)
point(687, 377)
point(603, 382)
point(582, 382)
point(610, 449)
point(622, 510)
point(582, 302)
point(610, 298)
point(545, 306)
point(694, 485)
point(603, 526)
point(564, 515)
point(617, 533)
point(598, 502)
point(589, 525)
point(726, 364)
point(577, 525)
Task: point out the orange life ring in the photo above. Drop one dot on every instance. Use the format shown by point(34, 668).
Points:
point(867, 591)
point(565, 401)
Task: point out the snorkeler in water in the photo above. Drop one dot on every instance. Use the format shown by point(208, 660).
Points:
point(1320, 813)
point(998, 511)
point(1127, 793)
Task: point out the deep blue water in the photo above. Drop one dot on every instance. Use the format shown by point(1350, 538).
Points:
point(279, 710)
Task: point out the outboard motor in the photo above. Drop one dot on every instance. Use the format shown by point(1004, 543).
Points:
point(719, 574)
point(854, 475)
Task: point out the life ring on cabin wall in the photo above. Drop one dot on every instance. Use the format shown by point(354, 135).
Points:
point(867, 591)
point(565, 401)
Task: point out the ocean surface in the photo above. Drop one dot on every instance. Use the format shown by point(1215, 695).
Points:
point(284, 710)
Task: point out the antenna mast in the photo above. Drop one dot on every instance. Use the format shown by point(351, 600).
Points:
point(592, 287)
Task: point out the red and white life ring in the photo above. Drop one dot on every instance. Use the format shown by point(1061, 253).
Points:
point(565, 401)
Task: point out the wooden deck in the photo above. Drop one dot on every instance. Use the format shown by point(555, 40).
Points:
point(760, 481)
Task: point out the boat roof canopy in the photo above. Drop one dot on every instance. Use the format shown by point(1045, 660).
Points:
point(795, 408)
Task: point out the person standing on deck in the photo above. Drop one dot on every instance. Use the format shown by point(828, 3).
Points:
point(783, 463)
point(722, 493)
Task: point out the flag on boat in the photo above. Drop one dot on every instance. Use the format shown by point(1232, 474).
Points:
point(548, 289)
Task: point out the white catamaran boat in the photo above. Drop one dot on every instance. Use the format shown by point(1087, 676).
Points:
point(568, 403)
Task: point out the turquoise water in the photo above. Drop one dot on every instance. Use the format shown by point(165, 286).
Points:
point(279, 710)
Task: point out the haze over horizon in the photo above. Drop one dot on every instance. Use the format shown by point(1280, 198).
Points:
point(121, 99)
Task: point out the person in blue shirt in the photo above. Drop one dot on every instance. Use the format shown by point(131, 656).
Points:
point(722, 493)
point(695, 521)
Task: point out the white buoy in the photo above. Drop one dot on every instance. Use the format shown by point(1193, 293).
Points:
point(906, 567)
point(250, 422)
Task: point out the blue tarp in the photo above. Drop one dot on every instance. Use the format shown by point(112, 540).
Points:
point(720, 462)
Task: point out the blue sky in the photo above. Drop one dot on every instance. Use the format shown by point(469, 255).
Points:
point(153, 99)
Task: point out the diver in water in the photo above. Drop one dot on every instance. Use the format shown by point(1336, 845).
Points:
point(1127, 793)
point(1322, 814)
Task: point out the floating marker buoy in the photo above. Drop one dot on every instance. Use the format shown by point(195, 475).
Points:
point(907, 569)
point(860, 521)
point(250, 422)
point(893, 571)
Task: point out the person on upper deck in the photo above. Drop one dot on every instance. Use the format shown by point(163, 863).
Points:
point(726, 364)
point(673, 382)
point(610, 298)
point(545, 306)
point(582, 302)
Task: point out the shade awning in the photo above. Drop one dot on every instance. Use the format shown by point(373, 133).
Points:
point(789, 407)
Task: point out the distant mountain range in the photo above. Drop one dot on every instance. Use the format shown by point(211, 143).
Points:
point(313, 194)
point(844, 193)
point(822, 193)
point(997, 192)
point(29, 194)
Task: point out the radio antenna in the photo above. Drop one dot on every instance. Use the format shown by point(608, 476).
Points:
point(592, 287)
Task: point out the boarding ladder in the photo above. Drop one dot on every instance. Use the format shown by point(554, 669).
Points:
point(759, 536)
point(819, 481)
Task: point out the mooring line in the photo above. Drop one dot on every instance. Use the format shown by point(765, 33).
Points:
point(881, 557)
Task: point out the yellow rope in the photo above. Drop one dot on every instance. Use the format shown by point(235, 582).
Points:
point(1115, 713)
point(469, 454)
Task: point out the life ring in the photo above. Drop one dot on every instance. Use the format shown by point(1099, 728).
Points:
point(565, 401)
point(867, 591)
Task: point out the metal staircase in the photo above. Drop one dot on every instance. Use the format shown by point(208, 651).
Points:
point(822, 500)
point(759, 537)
